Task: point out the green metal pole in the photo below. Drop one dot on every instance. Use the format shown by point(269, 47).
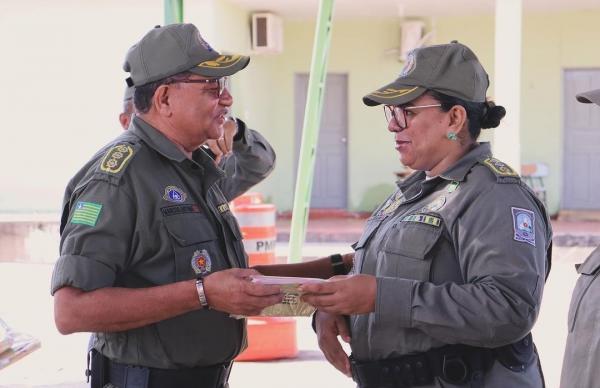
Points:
point(173, 11)
point(310, 129)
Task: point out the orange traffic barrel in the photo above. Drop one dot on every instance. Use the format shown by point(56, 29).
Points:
point(257, 223)
point(249, 198)
point(269, 338)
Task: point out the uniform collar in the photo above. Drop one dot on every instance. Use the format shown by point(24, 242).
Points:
point(460, 169)
point(161, 144)
point(156, 139)
point(457, 172)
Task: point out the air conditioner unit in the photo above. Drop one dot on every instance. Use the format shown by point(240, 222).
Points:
point(411, 36)
point(267, 33)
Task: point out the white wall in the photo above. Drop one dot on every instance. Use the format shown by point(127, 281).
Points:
point(61, 89)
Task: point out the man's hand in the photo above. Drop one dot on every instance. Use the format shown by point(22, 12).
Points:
point(353, 294)
point(329, 327)
point(223, 146)
point(233, 292)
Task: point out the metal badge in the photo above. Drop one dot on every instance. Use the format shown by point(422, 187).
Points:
point(201, 263)
point(435, 205)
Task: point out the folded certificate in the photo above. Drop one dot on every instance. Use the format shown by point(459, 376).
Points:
point(291, 306)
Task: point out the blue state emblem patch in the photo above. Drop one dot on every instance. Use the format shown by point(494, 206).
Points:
point(174, 194)
point(523, 225)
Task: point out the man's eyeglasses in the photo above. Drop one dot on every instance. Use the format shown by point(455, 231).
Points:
point(398, 113)
point(222, 82)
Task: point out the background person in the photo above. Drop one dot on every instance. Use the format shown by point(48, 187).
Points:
point(582, 352)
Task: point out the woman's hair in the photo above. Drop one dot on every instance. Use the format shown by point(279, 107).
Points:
point(481, 115)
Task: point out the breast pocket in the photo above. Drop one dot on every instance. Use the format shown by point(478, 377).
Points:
point(193, 237)
point(406, 248)
point(588, 271)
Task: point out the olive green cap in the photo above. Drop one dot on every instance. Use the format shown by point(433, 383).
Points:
point(169, 50)
point(592, 96)
point(451, 69)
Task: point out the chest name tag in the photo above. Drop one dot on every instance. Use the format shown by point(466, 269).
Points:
point(224, 207)
point(423, 219)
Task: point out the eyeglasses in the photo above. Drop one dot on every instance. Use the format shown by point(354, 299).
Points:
point(398, 113)
point(222, 82)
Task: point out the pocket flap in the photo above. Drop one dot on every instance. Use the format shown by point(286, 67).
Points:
point(591, 265)
point(189, 229)
point(412, 239)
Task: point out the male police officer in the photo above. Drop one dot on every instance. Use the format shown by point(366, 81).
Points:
point(151, 257)
point(582, 353)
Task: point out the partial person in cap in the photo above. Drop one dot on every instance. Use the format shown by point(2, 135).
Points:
point(128, 108)
point(449, 272)
point(151, 257)
point(582, 351)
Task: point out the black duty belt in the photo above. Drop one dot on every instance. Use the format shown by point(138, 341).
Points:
point(455, 364)
point(129, 376)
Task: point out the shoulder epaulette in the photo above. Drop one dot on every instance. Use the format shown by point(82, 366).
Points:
point(116, 159)
point(503, 172)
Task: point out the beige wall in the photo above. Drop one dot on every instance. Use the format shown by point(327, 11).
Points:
point(552, 42)
point(357, 49)
point(62, 85)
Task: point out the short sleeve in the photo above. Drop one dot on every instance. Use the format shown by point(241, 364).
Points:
point(96, 241)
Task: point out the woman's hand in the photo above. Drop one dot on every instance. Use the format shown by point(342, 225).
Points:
point(354, 294)
point(329, 327)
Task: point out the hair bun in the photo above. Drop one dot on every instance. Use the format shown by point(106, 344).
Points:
point(492, 115)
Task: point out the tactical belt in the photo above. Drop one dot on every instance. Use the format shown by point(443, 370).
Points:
point(129, 376)
point(455, 364)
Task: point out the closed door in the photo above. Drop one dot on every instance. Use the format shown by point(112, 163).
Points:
point(581, 172)
point(330, 181)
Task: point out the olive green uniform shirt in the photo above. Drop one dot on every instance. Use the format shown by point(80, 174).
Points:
point(581, 363)
point(136, 216)
point(459, 259)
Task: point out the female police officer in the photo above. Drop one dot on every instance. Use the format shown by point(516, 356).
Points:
point(449, 271)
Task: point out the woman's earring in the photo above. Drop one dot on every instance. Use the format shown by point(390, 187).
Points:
point(452, 136)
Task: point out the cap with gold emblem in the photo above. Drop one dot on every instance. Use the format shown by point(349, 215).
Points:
point(592, 96)
point(169, 50)
point(451, 69)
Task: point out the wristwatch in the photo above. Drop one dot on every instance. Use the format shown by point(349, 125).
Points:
point(337, 264)
point(201, 294)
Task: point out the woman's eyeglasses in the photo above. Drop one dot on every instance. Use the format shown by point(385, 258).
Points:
point(398, 113)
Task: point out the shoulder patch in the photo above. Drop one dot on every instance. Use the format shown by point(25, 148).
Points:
point(523, 225)
point(86, 213)
point(503, 172)
point(117, 157)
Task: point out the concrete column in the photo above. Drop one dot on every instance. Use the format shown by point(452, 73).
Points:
point(507, 80)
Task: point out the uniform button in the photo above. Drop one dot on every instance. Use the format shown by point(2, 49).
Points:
point(407, 367)
point(419, 364)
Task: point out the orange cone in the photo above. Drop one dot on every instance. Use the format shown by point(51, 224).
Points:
point(269, 338)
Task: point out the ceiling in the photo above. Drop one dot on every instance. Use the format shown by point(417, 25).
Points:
point(307, 9)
